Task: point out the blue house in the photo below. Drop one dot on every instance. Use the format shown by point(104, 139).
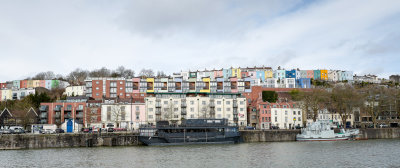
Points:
point(291, 74)
point(303, 83)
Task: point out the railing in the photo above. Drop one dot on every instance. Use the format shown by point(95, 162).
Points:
point(183, 112)
point(69, 108)
point(44, 108)
point(57, 115)
point(158, 104)
point(158, 111)
point(79, 115)
point(43, 115)
point(57, 108)
point(80, 108)
point(68, 116)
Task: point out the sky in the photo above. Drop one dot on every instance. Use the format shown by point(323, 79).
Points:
point(362, 36)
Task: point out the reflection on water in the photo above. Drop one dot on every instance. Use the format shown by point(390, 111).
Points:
point(371, 153)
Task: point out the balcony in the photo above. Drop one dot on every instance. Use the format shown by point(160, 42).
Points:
point(212, 111)
point(158, 111)
point(43, 115)
point(43, 121)
point(183, 111)
point(235, 111)
point(67, 116)
point(57, 115)
point(158, 105)
point(212, 104)
point(80, 108)
point(69, 108)
point(183, 104)
point(44, 108)
point(57, 108)
point(58, 121)
point(79, 115)
point(235, 104)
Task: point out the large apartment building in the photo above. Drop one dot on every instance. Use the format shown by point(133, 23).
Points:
point(175, 107)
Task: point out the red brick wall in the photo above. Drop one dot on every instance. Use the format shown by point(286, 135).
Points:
point(100, 91)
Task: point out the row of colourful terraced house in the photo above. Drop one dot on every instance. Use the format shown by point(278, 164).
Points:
point(260, 74)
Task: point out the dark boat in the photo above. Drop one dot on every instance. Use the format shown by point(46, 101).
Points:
point(191, 131)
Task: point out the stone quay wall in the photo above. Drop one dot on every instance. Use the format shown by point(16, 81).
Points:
point(36, 141)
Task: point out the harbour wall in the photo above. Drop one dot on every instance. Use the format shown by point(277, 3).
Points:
point(290, 135)
point(36, 141)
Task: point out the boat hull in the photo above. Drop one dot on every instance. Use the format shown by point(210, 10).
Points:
point(158, 141)
point(323, 139)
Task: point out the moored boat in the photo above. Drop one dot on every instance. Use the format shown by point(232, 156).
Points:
point(321, 131)
point(190, 132)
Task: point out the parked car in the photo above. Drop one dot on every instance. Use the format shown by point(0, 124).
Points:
point(383, 126)
point(59, 130)
point(249, 128)
point(85, 130)
point(119, 129)
point(17, 129)
point(274, 127)
point(48, 131)
point(7, 131)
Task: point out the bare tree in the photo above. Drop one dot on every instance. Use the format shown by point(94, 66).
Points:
point(376, 101)
point(123, 72)
point(161, 74)
point(312, 102)
point(49, 75)
point(102, 72)
point(344, 100)
point(77, 77)
point(146, 73)
point(118, 114)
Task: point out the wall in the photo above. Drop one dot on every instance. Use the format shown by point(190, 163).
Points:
point(34, 141)
point(380, 133)
point(269, 136)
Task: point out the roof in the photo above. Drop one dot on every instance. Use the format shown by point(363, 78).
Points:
point(6, 110)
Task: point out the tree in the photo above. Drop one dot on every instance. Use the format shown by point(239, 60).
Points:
point(37, 98)
point(117, 114)
point(312, 102)
point(77, 77)
point(161, 74)
point(102, 72)
point(376, 101)
point(146, 73)
point(295, 94)
point(123, 72)
point(49, 75)
point(344, 99)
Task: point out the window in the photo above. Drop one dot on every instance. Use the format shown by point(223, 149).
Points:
point(286, 119)
point(228, 116)
point(121, 82)
point(150, 116)
point(97, 88)
point(241, 102)
point(219, 115)
point(241, 109)
point(299, 119)
point(165, 102)
point(294, 112)
point(285, 112)
point(176, 109)
point(276, 119)
point(97, 94)
point(120, 88)
point(108, 113)
point(176, 116)
point(228, 102)
point(137, 117)
point(298, 112)
point(175, 102)
point(97, 82)
point(137, 108)
point(191, 102)
point(151, 109)
point(228, 109)
point(218, 109)
point(203, 102)
point(276, 112)
point(192, 116)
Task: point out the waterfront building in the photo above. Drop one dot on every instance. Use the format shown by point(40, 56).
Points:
point(285, 115)
point(280, 74)
point(310, 74)
point(303, 83)
point(174, 107)
point(227, 73)
point(335, 118)
point(123, 113)
point(218, 74)
point(75, 90)
point(394, 78)
point(366, 78)
point(62, 111)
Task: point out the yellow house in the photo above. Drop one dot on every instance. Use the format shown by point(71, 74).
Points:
point(29, 84)
point(324, 74)
point(206, 88)
point(36, 83)
point(150, 84)
point(269, 74)
point(236, 72)
point(6, 94)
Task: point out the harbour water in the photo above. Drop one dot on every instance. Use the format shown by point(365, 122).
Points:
point(370, 153)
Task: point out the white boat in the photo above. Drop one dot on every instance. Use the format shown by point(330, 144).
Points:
point(321, 131)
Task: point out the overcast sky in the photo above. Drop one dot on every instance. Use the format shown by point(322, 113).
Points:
point(174, 35)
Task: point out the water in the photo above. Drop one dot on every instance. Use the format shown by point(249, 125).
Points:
point(371, 153)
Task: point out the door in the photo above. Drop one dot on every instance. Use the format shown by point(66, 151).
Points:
point(70, 126)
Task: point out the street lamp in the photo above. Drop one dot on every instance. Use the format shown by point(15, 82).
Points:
point(294, 124)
